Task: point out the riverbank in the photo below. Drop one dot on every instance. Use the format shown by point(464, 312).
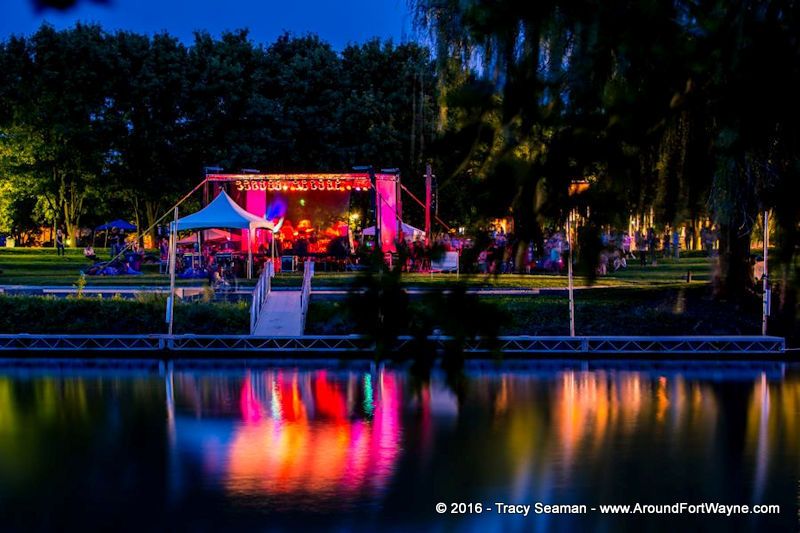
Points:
point(603, 311)
point(642, 311)
point(141, 315)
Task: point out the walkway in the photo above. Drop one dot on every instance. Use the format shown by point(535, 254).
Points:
point(281, 316)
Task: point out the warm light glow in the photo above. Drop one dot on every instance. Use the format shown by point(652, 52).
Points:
point(310, 439)
point(577, 187)
point(301, 182)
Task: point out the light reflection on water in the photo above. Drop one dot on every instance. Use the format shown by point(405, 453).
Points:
point(363, 447)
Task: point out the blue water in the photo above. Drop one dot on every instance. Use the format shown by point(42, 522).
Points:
point(212, 446)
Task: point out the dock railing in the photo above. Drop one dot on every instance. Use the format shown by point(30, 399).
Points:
point(716, 347)
point(260, 293)
point(305, 291)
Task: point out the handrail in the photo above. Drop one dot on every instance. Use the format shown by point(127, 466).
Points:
point(260, 293)
point(305, 291)
point(611, 347)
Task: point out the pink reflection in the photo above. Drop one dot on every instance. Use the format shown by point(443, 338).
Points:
point(251, 409)
point(309, 442)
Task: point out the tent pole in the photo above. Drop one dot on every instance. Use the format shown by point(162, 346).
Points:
point(250, 252)
point(199, 250)
point(173, 249)
point(765, 278)
point(428, 179)
point(570, 283)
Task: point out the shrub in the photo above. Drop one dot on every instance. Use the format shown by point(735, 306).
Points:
point(36, 314)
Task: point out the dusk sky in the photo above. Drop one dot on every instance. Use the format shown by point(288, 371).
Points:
point(336, 21)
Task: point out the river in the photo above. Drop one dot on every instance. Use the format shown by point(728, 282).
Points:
point(215, 445)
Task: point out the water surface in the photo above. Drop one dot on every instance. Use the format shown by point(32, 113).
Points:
point(299, 447)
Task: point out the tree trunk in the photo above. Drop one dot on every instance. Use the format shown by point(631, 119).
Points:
point(696, 244)
point(151, 214)
point(71, 200)
point(137, 222)
point(72, 234)
point(733, 279)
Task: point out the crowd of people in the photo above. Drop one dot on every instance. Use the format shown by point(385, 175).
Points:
point(495, 252)
point(504, 253)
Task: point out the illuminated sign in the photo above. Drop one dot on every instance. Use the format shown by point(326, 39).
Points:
point(299, 182)
point(318, 184)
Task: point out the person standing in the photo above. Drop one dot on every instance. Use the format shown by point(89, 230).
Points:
point(60, 243)
point(676, 243)
point(651, 245)
point(688, 238)
point(705, 235)
point(640, 247)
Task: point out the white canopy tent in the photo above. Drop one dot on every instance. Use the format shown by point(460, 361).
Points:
point(210, 235)
point(224, 213)
point(409, 232)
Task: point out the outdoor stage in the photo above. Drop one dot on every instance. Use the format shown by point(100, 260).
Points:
point(314, 214)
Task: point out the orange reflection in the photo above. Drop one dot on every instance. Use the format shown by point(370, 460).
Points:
point(283, 450)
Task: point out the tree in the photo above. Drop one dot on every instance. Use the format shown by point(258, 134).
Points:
point(670, 106)
point(226, 115)
point(149, 149)
point(388, 112)
point(56, 138)
point(302, 81)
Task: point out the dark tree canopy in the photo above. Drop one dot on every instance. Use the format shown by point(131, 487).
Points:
point(686, 109)
point(93, 122)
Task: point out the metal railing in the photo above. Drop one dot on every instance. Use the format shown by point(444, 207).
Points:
point(520, 345)
point(305, 291)
point(80, 343)
point(260, 293)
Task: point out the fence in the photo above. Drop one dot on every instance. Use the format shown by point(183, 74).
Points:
point(260, 293)
point(727, 346)
point(305, 291)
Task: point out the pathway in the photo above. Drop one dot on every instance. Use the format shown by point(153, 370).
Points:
point(282, 315)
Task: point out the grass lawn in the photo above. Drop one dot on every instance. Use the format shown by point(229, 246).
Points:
point(41, 266)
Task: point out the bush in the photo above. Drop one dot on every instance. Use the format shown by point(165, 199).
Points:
point(36, 314)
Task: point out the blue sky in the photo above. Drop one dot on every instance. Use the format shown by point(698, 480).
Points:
point(336, 21)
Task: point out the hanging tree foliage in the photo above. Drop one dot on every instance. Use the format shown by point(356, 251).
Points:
point(674, 106)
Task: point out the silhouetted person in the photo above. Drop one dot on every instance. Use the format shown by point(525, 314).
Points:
point(60, 243)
